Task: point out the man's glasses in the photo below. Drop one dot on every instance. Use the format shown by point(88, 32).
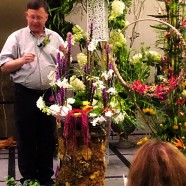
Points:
point(37, 18)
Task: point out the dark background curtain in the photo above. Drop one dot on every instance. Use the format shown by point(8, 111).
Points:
point(11, 19)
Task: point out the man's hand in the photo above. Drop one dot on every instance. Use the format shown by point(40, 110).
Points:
point(63, 49)
point(28, 58)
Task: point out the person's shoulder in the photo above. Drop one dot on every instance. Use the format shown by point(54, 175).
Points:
point(19, 31)
point(51, 32)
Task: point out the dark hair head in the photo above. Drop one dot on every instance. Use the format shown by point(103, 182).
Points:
point(36, 4)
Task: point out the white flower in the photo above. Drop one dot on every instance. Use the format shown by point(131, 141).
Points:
point(98, 120)
point(99, 84)
point(70, 101)
point(63, 83)
point(55, 109)
point(92, 45)
point(65, 110)
point(112, 90)
point(108, 75)
point(40, 103)
point(109, 114)
point(136, 58)
point(162, 78)
point(119, 118)
point(92, 115)
point(155, 56)
point(118, 7)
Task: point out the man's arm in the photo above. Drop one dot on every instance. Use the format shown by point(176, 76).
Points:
point(16, 64)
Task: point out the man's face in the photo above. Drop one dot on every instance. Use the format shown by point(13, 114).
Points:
point(36, 20)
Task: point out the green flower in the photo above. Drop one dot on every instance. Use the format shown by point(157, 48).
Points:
point(82, 59)
point(117, 40)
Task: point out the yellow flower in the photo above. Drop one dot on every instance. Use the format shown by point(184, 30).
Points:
point(149, 111)
point(175, 127)
point(94, 175)
point(86, 103)
point(143, 140)
point(184, 93)
point(184, 84)
point(77, 114)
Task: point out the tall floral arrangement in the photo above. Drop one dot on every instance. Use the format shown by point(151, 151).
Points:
point(161, 102)
point(85, 103)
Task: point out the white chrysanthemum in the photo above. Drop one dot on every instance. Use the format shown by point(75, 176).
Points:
point(82, 59)
point(111, 91)
point(76, 83)
point(40, 103)
point(118, 7)
point(63, 83)
point(92, 45)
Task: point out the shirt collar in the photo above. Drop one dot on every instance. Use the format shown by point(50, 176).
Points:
point(44, 33)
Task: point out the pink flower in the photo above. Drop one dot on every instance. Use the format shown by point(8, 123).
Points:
point(183, 23)
point(160, 91)
point(173, 82)
point(180, 101)
point(139, 87)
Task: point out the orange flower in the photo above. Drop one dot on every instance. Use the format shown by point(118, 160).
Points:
point(179, 143)
point(175, 127)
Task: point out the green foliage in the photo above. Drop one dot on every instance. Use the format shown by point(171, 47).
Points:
point(57, 11)
point(10, 181)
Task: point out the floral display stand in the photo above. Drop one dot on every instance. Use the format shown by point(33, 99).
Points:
point(82, 164)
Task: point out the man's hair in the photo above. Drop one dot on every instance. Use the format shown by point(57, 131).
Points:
point(36, 4)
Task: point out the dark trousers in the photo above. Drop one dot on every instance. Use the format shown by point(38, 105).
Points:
point(35, 136)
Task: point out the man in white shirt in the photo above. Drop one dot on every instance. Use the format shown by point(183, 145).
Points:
point(29, 55)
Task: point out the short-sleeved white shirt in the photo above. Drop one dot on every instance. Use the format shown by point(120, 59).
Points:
point(32, 75)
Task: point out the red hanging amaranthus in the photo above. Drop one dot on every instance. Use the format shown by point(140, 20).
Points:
point(76, 119)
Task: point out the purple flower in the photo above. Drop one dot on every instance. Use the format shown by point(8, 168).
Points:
point(91, 30)
point(104, 96)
